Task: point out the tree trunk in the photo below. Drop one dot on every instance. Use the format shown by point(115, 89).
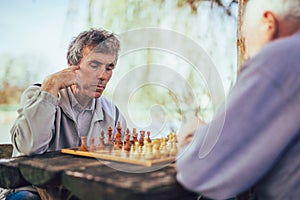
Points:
point(240, 41)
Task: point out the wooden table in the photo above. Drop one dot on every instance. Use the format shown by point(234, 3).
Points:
point(89, 178)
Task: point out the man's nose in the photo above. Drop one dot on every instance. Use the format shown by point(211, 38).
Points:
point(101, 72)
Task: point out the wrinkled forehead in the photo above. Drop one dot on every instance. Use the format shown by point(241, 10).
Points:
point(90, 53)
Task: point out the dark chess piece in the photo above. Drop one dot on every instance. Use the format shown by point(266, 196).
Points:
point(110, 142)
point(83, 146)
point(149, 139)
point(127, 143)
point(142, 136)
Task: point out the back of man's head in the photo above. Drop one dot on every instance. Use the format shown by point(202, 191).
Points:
point(283, 9)
point(267, 20)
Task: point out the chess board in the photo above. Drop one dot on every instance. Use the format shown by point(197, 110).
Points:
point(139, 151)
point(119, 155)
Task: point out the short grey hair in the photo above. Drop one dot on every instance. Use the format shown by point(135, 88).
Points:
point(284, 9)
point(101, 41)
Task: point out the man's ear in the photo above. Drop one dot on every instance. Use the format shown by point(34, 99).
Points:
point(271, 25)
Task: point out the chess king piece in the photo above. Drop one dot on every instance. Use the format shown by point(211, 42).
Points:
point(118, 133)
point(118, 137)
point(83, 146)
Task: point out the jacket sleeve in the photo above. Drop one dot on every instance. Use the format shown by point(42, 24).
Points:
point(32, 130)
point(245, 139)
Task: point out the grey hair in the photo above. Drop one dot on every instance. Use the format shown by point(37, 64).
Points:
point(284, 9)
point(99, 40)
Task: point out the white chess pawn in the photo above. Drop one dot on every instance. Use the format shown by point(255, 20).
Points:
point(164, 152)
point(136, 150)
point(149, 154)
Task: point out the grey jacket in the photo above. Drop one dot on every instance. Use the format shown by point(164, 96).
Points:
point(47, 123)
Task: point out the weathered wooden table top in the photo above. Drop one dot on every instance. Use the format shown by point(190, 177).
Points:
point(89, 178)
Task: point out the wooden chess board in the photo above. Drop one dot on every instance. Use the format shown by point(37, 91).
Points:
point(119, 155)
point(142, 151)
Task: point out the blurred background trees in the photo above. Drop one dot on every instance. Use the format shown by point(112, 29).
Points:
point(212, 24)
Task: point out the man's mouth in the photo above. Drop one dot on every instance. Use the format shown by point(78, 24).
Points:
point(100, 88)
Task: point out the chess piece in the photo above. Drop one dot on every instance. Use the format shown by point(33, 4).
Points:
point(170, 140)
point(156, 148)
point(173, 146)
point(127, 131)
point(119, 128)
point(149, 154)
point(169, 136)
point(101, 139)
point(83, 146)
point(118, 143)
point(110, 142)
point(142, 136)
point(143, 148)
point(92, 147)
point(132, 150)
point(118, 138)
point(136, 150)
point(175, 137)
point(148, 139)
point(164, 152)
point(127, 142)
point(134, 136)
point(118, 133)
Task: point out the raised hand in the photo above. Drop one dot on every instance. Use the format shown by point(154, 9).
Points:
point(61, 79)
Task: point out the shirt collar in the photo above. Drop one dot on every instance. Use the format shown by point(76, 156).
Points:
point(77, 107)
point(98, 115)
point(68, 100)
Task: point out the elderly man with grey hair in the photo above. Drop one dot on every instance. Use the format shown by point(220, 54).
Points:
point(69, 103)
point(253, 142)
